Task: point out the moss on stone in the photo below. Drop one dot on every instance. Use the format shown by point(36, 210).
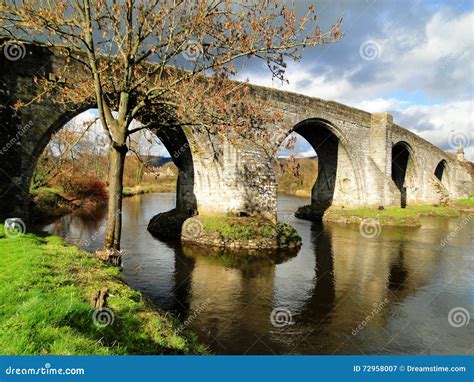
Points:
point(239, 232)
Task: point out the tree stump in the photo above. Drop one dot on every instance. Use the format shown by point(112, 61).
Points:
point(99, 298)
point(110, 256)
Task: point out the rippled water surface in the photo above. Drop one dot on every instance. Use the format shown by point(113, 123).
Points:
point(342, 293)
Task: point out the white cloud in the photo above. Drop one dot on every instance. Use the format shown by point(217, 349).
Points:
point(438, 124)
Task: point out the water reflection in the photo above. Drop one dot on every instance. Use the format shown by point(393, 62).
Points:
point(347, 294)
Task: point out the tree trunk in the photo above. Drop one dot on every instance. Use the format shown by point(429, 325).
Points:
point(114, 217)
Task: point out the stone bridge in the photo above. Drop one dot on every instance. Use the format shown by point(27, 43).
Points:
point(364, 158)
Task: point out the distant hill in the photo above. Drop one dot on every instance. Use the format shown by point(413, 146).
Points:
point(157, 161)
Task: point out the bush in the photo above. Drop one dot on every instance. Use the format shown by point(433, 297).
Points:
point(86, 188)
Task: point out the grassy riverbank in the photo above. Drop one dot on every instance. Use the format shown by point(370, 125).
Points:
point(408, 216)
point(165, 185)
point(50, 203)
point(466, 204)
point(45, 289)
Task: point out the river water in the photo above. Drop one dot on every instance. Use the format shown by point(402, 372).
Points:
point(402, 292)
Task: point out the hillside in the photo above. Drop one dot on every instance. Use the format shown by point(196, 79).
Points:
point(296, 177)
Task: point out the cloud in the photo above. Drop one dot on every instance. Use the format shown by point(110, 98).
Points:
point(423, 73)
point(439, 123)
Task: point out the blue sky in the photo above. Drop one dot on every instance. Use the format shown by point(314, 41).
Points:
point(412, 58)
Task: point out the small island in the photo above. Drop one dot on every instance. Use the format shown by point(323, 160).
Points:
point(229, 232)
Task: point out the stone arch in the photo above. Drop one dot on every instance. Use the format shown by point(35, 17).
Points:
point(404, 171)
point(35, 144)
point(173, 138)
point(442, 173)
point(339, 181)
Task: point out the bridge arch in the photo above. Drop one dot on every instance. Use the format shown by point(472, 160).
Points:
point(173, 139)
point(442, 173)
point(339, 180)
point(404, 173)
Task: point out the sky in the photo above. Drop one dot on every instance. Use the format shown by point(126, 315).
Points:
point(413, 59)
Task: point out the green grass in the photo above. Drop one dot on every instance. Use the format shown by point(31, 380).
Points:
point(46, 195)
point(466, 203)
point(230, 228)
point(53, 190)
point(45, 289)
point(241, 229)
point(168, 185)
point(390, 216)
point(246, 228)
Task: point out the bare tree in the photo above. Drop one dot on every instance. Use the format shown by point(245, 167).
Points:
point(129, 49)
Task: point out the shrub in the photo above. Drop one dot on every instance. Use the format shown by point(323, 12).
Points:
point(86, 188)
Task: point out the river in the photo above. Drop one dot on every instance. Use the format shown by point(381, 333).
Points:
point(403, 292)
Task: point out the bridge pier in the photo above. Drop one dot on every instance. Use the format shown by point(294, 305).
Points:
point(240, 182)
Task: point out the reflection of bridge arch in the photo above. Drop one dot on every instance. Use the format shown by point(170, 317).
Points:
point(352, 281)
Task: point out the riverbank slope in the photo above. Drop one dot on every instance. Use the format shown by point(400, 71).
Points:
point(45, 289)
